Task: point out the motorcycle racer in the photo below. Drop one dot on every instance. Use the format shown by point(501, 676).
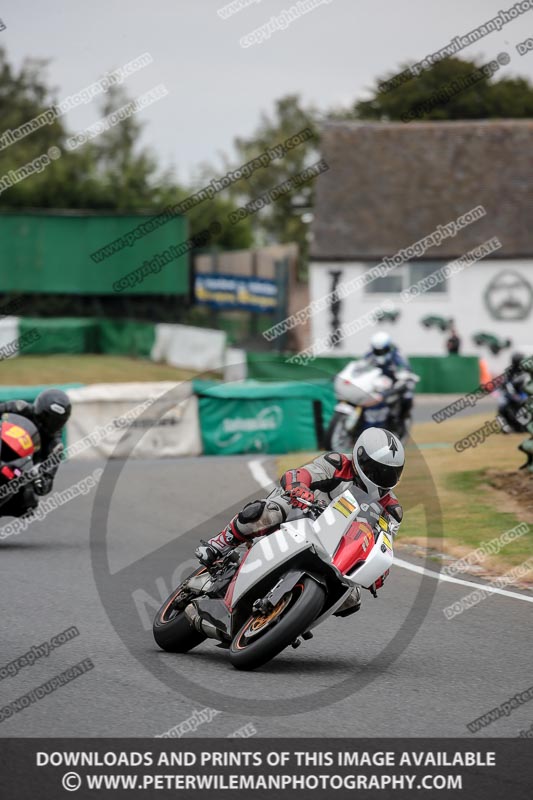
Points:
point(512, 396)
point(375, 467)
point(385, 355)
point(50, 412)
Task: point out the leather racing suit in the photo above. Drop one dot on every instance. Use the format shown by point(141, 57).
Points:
point(326, 477)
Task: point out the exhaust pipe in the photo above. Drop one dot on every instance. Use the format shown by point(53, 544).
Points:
point(202, 625)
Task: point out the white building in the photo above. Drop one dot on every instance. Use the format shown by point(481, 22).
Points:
point(391, 185)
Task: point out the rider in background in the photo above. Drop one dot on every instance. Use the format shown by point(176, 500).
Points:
point(385, 355)
point(49, 412)
point(375, 467)
point(512, 394)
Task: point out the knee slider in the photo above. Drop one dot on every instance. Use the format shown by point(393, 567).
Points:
point(251, 511)
point(335, 459)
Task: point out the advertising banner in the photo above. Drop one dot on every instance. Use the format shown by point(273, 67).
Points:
point(258, 418)
point(236, 292)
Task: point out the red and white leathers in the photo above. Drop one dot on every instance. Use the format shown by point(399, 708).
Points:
point(326, 477)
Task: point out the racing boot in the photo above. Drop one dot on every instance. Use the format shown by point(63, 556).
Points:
point(255, 519)
point(218, 546)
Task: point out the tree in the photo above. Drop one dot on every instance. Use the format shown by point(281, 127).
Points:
point(279, 221)
point(453, 88)
point(128, 171)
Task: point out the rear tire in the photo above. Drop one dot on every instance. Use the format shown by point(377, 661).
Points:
point(172, 631)
point(304, 607)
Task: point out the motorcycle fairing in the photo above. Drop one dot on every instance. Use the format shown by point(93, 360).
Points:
point(361, 386)
point(331, 526)
point(378, 561)
point(215, 611)
point(268, 553)
point(323, 535)
point(17, 439)
point(354, 546)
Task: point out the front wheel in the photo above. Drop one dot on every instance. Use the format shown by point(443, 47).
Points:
point(172, 630)
point(338, 439)
point(263, 637)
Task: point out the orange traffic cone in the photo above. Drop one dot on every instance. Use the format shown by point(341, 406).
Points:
point(484, 372)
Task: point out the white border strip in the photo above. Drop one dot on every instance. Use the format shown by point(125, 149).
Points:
point(448, 579)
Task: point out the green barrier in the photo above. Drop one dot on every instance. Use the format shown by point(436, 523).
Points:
point(75, 335)
point(29, 393)
point(438, 374)
point(276, 367)
point(126, 337)
point(59, 335)
point(252, 417)
point(446, 374)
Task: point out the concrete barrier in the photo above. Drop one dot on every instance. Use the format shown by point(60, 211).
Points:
point(102, 412)
point(188, 347)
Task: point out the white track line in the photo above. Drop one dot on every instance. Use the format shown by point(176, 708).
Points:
point(439, 576)
point(261, 476)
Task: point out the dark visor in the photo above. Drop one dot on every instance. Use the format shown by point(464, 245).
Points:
point(381, 474)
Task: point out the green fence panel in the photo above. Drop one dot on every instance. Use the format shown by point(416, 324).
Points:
point(29, 393)
point(78, 335)
point(253, 417)
point(51, 253)
point(276, 367)
point(59, 335)
point(446, 374)
point(438, 374)
point(126, 337)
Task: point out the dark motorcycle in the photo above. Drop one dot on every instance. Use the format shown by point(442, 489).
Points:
point(19, 441)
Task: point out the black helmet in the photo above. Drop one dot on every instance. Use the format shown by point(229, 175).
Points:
point(516, 360)
point(52, 409)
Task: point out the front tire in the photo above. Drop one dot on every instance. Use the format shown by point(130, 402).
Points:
point(338, 439)
point(172, 630)
point(251, 649)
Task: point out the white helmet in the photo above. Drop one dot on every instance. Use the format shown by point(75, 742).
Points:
point(378, 458)
point(381, 344)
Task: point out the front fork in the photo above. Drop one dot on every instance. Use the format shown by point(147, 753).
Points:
point(352, 414)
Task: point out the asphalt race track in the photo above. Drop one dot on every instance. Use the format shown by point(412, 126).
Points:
point(352, 679)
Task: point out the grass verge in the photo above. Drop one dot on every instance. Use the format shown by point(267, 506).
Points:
point(43, 369)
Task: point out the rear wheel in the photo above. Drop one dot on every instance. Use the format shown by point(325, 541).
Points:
point(172, 630)
point(263, 637)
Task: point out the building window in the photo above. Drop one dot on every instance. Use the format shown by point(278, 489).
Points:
point(404, 276)
point(419, 270)
point(389, 284)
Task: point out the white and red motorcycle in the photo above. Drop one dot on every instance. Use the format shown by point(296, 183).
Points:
point(367, 398)
point(260, 599)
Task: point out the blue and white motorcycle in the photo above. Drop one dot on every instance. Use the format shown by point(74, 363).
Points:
point(367, 398)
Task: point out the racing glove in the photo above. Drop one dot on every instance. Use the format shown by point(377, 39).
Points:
point(394, 514)
point(298, 494)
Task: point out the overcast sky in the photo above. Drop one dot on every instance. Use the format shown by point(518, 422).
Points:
point(217, 89)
